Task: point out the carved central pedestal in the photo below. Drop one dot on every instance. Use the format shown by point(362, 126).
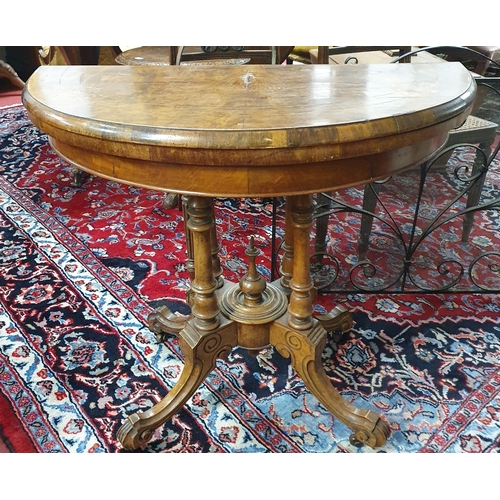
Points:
point(252, 314)
point(253, 305)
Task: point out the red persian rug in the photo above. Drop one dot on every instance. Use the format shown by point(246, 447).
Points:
point(80, 270)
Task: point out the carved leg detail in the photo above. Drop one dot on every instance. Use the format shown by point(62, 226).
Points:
point(300, 309)
point(163, 322)
point(201, 351)
point(305, 350)
point(338, 320)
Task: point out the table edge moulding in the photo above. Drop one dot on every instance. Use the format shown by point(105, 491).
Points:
point(249, 131)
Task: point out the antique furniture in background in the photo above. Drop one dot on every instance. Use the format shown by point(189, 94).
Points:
point(249, 131)
point(476, 58)
point(7, 71)
point(351, 54)
point(475, 131)
point(166, 56)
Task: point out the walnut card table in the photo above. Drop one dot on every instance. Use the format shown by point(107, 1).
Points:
point(249, 131)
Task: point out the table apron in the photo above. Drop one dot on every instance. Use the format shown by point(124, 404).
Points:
point(249, 181)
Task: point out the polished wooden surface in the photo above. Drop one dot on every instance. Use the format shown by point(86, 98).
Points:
point(265, 121)
point(247, 131)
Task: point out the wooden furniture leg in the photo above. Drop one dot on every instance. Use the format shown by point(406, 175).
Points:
point(321, 228)
point(286, 267)
point(204, 338)
point(305, 349)
point(215, 248)
point(300, 336)
point(7, 71)
point(474, 194)
point(339, 319)
point(370, 194)
point(163, 322)
point(300, 309)
point(201, 350)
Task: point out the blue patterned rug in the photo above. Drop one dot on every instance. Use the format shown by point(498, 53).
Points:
point(80, 270)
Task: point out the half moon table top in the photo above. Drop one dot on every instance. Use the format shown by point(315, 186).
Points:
point(251, 130)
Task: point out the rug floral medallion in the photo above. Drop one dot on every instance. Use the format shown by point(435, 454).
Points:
point(81, 269)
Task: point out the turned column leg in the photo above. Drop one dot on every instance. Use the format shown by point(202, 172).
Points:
point(300, 309)
point(216, 266)
point(200, 223)
point(338, 319)
point(286, 267)
point(163, 322)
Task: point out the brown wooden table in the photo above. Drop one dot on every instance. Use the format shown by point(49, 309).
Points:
point(249, 131)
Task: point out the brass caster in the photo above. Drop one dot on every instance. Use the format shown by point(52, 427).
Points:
point(354, 441)
point(336, 336)
point(162, 337)
point(373, 439)
point(130, 437)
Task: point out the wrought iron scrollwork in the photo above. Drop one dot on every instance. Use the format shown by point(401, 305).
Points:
point(433, 229)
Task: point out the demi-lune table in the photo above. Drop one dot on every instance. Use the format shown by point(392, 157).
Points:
point(248, 131)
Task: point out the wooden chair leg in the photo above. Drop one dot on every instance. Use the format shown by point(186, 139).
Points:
point(321, 227)
point(475, 191)
point(7, 71)
point(369, 205)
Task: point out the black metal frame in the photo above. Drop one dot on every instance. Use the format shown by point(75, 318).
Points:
point(457, 276)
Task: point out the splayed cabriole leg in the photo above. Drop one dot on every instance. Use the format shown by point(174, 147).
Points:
point(252, 315)
point(305, 348)
point(201, 351)
point(300, 336)
point(206, 337)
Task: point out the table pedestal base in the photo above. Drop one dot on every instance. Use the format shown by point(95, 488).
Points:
point(252, 315)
